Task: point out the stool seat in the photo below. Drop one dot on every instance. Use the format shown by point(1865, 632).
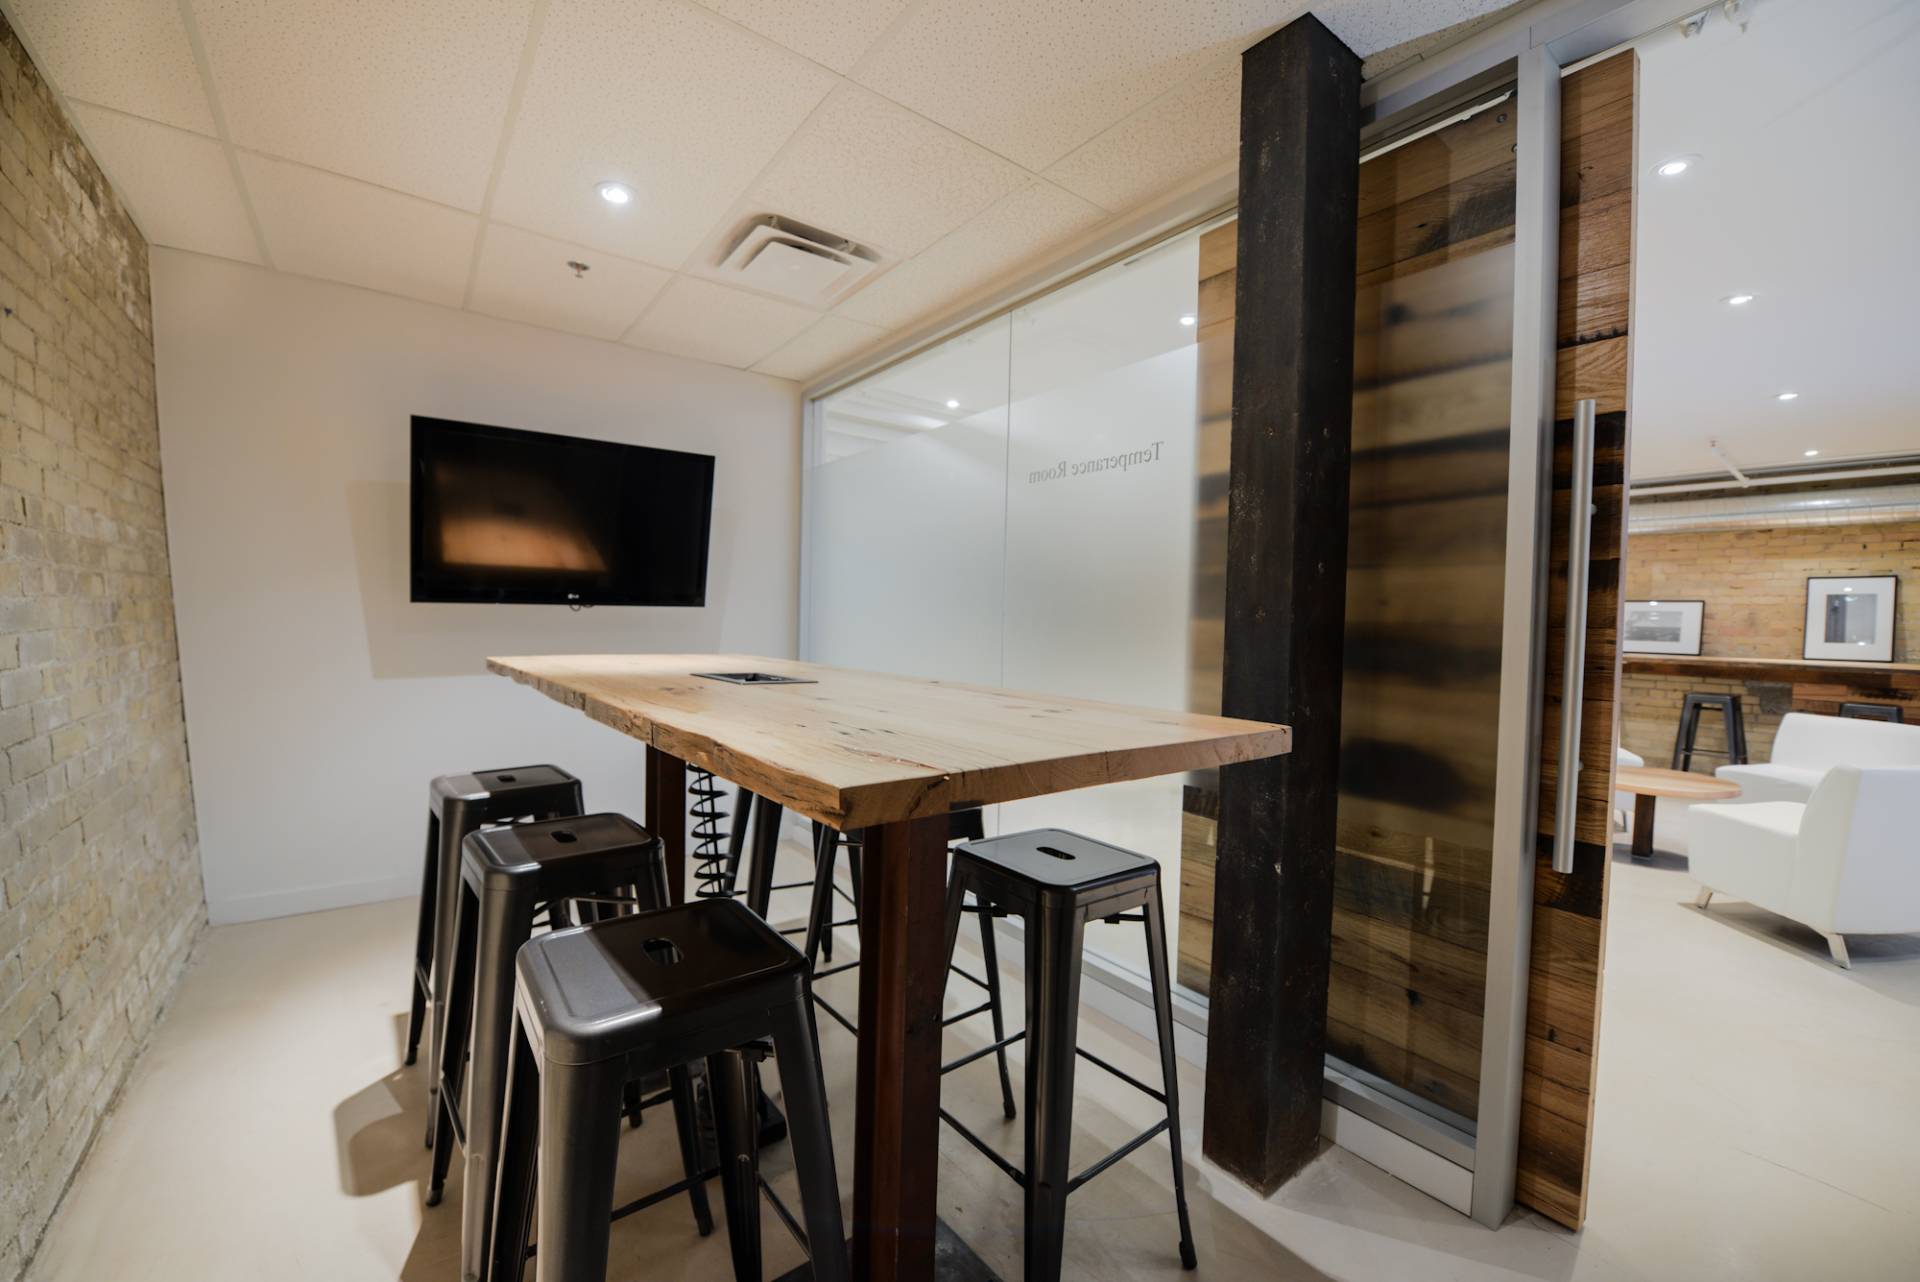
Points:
point(601, 993)
point(563, 853)
point(512, 791)
point(1055, 859)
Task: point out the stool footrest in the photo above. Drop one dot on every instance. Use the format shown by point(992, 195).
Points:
point(786, 1216)
point(1128, 1078)
point(989, 1049)
point(838, 1018)
point(1013, 1172)
point(1073, 1185)
point(981, 1009)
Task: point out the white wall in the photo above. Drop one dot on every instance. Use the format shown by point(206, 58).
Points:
point(319, 700)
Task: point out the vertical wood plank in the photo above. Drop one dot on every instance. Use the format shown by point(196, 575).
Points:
point(666, 814)
point(1285, 597)
point(902, 982)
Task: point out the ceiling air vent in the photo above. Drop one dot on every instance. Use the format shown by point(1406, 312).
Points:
point(778, 256)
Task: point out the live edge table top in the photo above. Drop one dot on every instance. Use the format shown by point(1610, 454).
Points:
point(855, 749)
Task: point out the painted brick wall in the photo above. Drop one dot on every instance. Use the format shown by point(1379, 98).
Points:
point(1754, 584)
point(100, 898)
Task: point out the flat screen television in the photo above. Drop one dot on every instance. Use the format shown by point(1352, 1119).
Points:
point(507, 516)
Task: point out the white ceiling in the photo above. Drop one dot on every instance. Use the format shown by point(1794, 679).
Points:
point(1806, 128)
point(448, 150)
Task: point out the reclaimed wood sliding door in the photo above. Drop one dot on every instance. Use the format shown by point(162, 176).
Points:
point(1433, 335)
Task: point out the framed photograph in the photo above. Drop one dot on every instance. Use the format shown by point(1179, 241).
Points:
point(1851, 619)
point(1663, 627)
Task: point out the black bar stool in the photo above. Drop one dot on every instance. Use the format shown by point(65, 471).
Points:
point(1728, 706)
point(962, 825)
point(456, 806)
point(600, 862)
point(1057, 882)
point(1873, 712)
point(600, 1005)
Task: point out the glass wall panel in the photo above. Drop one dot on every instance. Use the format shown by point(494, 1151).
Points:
point(1038, 534)
point(907, 516)
point(1100, 506)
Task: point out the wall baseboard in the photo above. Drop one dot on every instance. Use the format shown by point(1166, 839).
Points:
point(309, 899)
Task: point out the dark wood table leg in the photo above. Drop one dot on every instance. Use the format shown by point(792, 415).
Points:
point(902, 980)
point(666, 815)
point(1643, 825)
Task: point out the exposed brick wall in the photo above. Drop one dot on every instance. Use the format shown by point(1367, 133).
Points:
point(1754, 584)
point(100, 897)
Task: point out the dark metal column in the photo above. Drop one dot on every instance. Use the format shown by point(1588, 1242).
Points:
point(1286, 597)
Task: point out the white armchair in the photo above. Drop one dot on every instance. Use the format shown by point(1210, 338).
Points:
point(1846, 862)
point(1623, 801)
point(1808, 745)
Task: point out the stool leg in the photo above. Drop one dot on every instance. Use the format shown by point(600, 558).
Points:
point(453, 827)
point(452, 1068)
point(512, 1211)
point(990, 958)
point(766, 842)
point(506, 922)
point(731, 1082)
point(796, 1047)
point(1054, 939)
point(579, 1149)
point(826, 848)
point(423, 937)
point(686, 1123)
point(1169, 1071)
point(1683, 736)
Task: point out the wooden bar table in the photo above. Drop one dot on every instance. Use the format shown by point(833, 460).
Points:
point(892, 755)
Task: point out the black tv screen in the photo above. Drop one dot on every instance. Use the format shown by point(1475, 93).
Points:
point(502, 515)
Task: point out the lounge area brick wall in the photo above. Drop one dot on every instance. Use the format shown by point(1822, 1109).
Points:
point(100, 895)
point(1754, 584)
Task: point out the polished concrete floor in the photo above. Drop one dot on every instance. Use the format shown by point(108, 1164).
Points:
point(1759, 1118)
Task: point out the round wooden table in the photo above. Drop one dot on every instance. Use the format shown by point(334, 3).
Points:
point(1647, 783)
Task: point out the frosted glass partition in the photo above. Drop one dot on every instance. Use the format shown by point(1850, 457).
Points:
point(1016, 507)
point(1100, 518)
point(907, 516)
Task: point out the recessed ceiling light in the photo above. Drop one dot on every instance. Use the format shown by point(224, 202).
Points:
point(1811, 454)
point(1675, 167)
point(1189, 320)
point(1786, 396)
point(1737, 300)
point(615, 193)
point(953, 405)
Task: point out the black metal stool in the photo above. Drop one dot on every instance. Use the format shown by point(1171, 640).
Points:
point(1057, 882)
point(1873, 712)
point(962, 825)
point(600, 1005)
point(1728, 706)
point(456, 805)
point(600, 862)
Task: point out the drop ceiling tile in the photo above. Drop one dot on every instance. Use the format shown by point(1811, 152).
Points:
point(1368, 26)
point(320, 224)
point(834, 32)
point(830, 340)
point(131, 55)
point(1020, 228)
point(681, 105)
point(178, 184)
point(1170, 140)
point(871, 170)
point(710, 322)
point(525, 277)
point(409, 94)
point(1034, 81)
